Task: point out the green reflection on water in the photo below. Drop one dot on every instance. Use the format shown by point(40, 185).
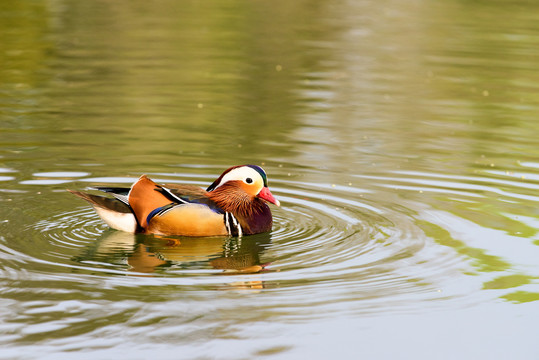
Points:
point(481, 260)
point(506, 282)
point(521, 297)
point(183, 81)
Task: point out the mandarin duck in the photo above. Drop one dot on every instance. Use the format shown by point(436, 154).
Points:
point(233, 205)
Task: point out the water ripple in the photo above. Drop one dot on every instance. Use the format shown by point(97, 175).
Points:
point(386, 239)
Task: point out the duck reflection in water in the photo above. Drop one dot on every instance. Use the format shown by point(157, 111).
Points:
point(149, 253)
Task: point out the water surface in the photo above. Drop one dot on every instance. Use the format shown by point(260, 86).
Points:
point(400, 138)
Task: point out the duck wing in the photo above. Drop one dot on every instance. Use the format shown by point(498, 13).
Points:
point(192, 194)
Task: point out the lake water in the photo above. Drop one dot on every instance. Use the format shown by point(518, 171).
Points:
point(400, 137)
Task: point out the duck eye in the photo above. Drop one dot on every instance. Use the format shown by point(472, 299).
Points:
point(249, 180)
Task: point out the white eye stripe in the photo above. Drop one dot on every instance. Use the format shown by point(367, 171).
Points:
point(242, 174)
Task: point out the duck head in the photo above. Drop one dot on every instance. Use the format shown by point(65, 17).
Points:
point(246, 181)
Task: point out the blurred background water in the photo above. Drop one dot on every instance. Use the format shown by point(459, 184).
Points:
point(400, 137)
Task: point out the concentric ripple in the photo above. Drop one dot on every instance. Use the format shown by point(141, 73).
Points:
point(395, 236)
point(72, 229)
point(385, 238)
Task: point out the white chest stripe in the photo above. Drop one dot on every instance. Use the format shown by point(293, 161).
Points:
point(232, 225)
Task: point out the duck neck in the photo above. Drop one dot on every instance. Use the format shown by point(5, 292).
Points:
point(253, 213)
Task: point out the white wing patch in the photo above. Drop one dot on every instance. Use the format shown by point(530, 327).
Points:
point(119, 221)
